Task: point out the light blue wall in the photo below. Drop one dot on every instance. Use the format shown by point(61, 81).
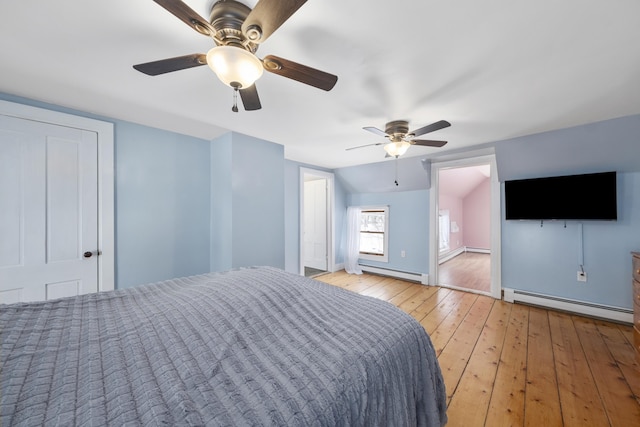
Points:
point(162, 205)
point(247, 203)
point(408, 228)
point(258, 202)
point(610, 145)
point(292, 216)
point(176, 194)
point(187, 206)
point(546, 259)
point(340, 219)
point(161, 200)
point(221, 203)
point(412, 173)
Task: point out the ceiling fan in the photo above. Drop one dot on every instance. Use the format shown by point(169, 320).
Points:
point(237, 32)
point(397, 132)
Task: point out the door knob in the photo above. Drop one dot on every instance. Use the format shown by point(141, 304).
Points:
point(90, 254)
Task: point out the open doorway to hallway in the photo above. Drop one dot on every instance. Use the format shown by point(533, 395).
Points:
point(316, 199)
point(464, 238)
point(464, 225)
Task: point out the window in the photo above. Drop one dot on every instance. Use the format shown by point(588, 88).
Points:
point(443, 223)
point(374, 226)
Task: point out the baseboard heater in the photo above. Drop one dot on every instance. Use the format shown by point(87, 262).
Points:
point(415, 277)
point(580, 307)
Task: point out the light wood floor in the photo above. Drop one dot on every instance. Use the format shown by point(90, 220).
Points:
point(455, 272)
point(514, 365)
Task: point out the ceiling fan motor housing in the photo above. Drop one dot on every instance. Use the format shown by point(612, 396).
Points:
point(397, 130)
point(227, 17)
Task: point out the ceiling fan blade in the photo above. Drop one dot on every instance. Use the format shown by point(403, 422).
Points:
point(427, 142)
point(172, 64)
point(267, 17)
point(431, 128)
point(187, 15)
point(362, 146)
point(299, 72)
point(250, 98)
point(375, 130)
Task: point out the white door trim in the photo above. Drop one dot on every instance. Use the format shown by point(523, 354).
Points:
point(104, 131)
point(330, 223)
point(496, 251)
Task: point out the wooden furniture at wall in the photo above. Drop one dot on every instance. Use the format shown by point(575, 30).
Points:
point(636, 302)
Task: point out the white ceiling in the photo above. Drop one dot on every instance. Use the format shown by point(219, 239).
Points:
point(495, 69)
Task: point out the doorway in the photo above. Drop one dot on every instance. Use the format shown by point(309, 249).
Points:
point(316, 222)
point(465, 253)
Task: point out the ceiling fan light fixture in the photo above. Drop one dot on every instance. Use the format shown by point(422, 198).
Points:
point(234, 66)
point(396, 149)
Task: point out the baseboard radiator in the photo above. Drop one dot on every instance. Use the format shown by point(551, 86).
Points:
point(414, 277)
point(579, 307)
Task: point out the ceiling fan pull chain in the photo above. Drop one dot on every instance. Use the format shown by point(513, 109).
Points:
point(235, 100)
point(396, 181)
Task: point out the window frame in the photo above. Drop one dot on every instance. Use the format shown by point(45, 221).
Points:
point(384, 257)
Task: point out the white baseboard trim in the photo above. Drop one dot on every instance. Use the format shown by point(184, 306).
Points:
point(450, 255)
point(454, 253)
point(580, 307)
point(338, 267)
point(478, 250)
point(415, 277)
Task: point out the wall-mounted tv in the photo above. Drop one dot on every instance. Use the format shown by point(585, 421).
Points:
point(571, 197)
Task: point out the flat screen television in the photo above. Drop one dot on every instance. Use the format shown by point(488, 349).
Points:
point(571, 197)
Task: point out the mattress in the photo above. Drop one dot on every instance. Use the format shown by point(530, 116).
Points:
point(248, 347)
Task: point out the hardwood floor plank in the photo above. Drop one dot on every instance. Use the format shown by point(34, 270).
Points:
point(430, 303)
point(425, 294)
point(455, 356)
point(353, 282)
point(542, 401)
point(433, 311)
point(623, 353)
point(619, 402)
point(470, 403)
point(411, 292)
point(577, 371)
point(469, 270)
point(507, 409)
point(387, 289)
point(627, 332)
point(579, 398)
point(441, 329)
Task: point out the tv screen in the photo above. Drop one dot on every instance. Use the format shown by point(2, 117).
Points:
point(572, 197)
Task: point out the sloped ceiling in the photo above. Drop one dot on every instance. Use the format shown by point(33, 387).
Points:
point(495, 69)
point(459, 182)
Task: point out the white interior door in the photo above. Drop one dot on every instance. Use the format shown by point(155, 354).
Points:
point(48, 210)
point(315, 224)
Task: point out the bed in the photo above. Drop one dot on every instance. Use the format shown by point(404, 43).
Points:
point(255, 346)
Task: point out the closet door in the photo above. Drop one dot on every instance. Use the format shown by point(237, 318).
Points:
point(315, 224)
point(48, 210)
